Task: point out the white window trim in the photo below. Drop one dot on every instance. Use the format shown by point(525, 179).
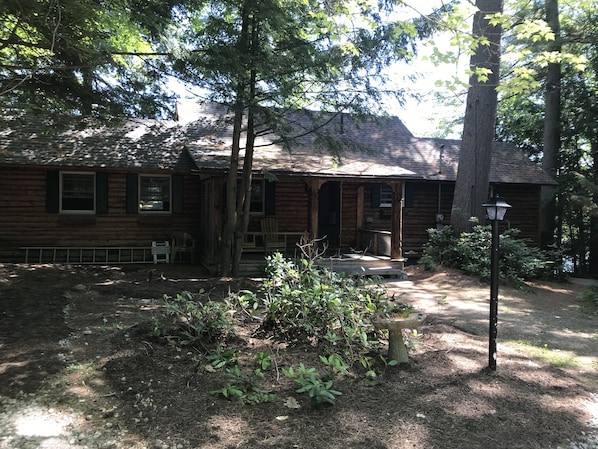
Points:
point(149, 211)
point(60, 193)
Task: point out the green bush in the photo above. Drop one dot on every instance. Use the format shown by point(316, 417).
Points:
point(244, 385)
point(191, 318)
point(590, 299)
point(304, 304)
point(310, 382)
point(470, 252)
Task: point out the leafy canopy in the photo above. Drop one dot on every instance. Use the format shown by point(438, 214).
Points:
point(79, 57)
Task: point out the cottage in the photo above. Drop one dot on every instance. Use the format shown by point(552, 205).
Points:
point(125, 187)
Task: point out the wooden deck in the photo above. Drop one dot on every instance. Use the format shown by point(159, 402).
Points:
point(365, 265)
point(353, 264)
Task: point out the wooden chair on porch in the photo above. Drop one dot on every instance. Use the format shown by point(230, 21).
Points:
point(182, 243)
point(272, 239)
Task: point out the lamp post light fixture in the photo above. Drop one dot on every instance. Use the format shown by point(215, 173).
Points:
point(495, 209)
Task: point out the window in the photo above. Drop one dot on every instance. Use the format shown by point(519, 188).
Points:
point(385, 196)
point(77, 192)
point(154, 193)
point(262, 198)
point(257, 201)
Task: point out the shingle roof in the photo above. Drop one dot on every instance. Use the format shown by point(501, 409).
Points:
point(382, 148)
point(138, 144)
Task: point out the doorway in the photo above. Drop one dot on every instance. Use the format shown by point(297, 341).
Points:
point(329, 213)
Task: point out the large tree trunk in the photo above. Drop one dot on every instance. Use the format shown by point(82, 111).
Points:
point(230, 224)
point(232, 214)
point(244, 194)
point(471, 188)
point(552, 134)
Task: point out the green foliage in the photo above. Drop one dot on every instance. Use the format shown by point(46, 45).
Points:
point(318, 389)
point(75, 58)
point(590, 299)
point(305, 304)
point(470, 252)
point(375, 366)
point(297, 303)
point(263, 361)
point(334, 364)
point(223, 357)
point(190, 319)
point(243, 386)
point(521, 112)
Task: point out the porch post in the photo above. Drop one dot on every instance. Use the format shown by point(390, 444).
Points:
point(314, 188)
point(360, 214)
point(396, 235)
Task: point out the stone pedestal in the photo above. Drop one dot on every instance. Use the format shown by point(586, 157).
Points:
point(395, 324)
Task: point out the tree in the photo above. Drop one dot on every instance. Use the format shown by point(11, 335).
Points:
point(471, 188)
point(266, 59)
point(552, 125)
point(80, 57)
point(525, 106)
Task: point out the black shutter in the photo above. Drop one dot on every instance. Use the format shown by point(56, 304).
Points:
point(101, 193)
point(270, 198)
point(132, 193)
point(177, 194)
point(376, 189)
point(409, 194)
point(52, 191)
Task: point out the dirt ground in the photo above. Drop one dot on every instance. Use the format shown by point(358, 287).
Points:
point(78, 369)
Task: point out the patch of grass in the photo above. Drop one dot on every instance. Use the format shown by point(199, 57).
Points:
point(553, 357)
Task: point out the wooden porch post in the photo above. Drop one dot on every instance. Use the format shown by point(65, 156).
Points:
point(360, 213)
point(314, 188)
point(396, 235)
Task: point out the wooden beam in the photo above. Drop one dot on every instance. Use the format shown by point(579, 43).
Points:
point(314, 189)
point(396, 236)
point(360, 209)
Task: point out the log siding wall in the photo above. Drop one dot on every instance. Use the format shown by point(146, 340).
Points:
point(24, 220)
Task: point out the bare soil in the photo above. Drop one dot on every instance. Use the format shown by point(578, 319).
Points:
point(79, 369)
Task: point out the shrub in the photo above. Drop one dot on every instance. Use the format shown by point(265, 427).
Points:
point(191, 318)
point(470, 252)
point(300, 303)
point(303, 303)
point(590, 299)
point(310, 382)
point(244, 386)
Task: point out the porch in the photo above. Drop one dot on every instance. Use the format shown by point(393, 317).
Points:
point(253, 265)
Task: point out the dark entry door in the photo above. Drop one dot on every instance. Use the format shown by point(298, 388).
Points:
point(329, 218)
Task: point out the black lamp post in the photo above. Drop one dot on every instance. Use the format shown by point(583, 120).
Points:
point(495, 209)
